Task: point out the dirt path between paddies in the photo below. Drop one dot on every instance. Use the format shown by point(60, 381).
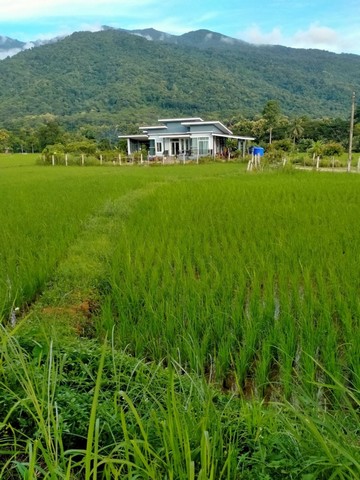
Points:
point(72, 300)
point(326, 169)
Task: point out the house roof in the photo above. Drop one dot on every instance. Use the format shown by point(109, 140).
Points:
point(157, 127)
point(235, 137)
point(187, 122)
point(135, 137)
point(190, 119)
point(220, 125)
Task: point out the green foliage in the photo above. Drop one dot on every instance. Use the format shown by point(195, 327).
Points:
point(333, 148)
point(304, 144)
point(88, 147)
point(271, 113)
point(49, 133)
point(82, 410)
point(284, 145)
point(232, 144)
point(317, 148)
point(4, 139)
point(296, 128)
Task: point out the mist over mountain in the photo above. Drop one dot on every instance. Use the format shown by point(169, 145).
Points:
point(10, 46)
point(116, 76)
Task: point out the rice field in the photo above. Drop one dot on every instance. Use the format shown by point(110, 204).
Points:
point(218, 292)
point(244, 280)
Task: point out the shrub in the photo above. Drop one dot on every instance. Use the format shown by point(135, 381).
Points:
point(333, 148)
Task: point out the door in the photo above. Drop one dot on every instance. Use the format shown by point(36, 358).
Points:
point(175, 147)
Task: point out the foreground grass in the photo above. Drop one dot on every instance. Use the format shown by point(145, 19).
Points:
point(86, 411)
point(155, 271)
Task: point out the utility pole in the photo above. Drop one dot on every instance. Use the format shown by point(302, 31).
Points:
point(351, 131)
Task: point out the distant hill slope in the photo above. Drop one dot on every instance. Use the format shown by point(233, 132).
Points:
point(9, 46)
point(118, 76)
point(6, 43)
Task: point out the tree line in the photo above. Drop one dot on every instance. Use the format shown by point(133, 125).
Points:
point(271, 128)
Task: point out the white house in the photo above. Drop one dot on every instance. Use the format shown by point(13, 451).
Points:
point(186, 137)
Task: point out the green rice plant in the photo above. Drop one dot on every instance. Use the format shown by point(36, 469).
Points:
point(212, 278)
point(42, 212)
point(265, 370)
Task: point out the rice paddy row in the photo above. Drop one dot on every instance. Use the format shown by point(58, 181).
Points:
point(248, 281)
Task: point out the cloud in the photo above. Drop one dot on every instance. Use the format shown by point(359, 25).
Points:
point(9, 53)
point(321, 37)
point(20, 9)
point(13, 51)
point(256, 36)
point(315, 36)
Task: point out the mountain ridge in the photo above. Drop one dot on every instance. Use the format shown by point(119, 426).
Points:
point(206, 36)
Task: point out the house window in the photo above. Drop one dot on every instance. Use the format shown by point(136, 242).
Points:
point(203, 144)
point(151, 148)
point(158, 147)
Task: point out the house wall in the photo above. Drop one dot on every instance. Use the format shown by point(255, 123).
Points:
point(176, 127)
point(205, 129)
point(157, 131)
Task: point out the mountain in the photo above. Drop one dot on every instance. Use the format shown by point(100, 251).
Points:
point(6, 43)
point(198, 38)
point(10, 46)
point(117, 77)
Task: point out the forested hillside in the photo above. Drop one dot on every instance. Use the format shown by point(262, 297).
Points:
point(115, 77)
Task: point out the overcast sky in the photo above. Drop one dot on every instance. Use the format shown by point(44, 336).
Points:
point(332, 25)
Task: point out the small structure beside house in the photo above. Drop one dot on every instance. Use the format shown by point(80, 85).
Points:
point(187, 138)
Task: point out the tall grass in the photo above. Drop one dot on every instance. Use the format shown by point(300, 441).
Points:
point(144, 421)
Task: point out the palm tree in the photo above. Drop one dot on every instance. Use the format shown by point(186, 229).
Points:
point(317, 148)
point(296, 128)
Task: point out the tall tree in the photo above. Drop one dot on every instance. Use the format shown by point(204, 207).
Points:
point(271, 113)
point(49, 133)
point(296, 128)
point(4, 139)
point(357, 114)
